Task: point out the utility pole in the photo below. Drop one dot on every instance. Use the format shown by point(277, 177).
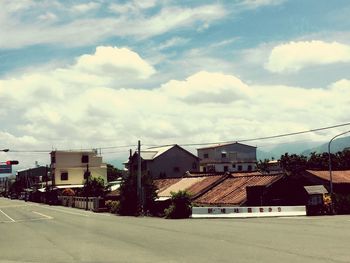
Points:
point(46, 182)
point(139, 182)
point(330, 171)
point(87, 174)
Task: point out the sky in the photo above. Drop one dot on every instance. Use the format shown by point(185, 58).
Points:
point(100, 74)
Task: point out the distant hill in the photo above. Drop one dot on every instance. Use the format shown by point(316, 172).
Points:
point(304, 148)
point(336, 146)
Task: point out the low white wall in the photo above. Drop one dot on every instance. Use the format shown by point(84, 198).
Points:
point(243, 212)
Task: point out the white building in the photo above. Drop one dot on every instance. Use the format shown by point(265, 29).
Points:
point(68, 167)
point(233, 157)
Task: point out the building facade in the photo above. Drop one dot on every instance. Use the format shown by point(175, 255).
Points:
point(68, 167)
point(164, 162)
point(32, 177)
point(234, 157)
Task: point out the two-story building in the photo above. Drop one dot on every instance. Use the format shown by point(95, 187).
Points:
point(68, 167)
point(233, 157)
point(164, 162)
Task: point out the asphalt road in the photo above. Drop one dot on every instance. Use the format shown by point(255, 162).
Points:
point(31, 232)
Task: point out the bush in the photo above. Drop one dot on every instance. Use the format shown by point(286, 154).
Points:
point(180, 205)
point(112, 206)
point(342, 204)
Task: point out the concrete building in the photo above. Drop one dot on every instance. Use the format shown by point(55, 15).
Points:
point(68, 167)
point(233, 157)
point(32, 177)
point(164, 162)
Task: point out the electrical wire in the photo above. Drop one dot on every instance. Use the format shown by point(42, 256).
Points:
point(196, 144)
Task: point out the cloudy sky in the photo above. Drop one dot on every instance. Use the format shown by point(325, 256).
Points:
point(91, 74)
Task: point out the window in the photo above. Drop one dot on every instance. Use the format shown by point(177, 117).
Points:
point(239, 167)
point(64, 176)
point(233, 166)
point(225, 168)
point(176, 169)
point(249, 167)
point(85, 159)
point(223, 155)
point(206, 155)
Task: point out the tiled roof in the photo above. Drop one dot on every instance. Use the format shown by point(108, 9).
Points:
point(194, 185)
point(338, 177)
point(232, 191)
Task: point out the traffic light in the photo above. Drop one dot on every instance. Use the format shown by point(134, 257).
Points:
point(12, 162)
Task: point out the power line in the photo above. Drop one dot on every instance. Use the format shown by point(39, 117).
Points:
point(196, 144)
point(270, 137)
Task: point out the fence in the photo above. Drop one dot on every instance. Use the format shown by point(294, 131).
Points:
point(94, 203)
point(243, 212)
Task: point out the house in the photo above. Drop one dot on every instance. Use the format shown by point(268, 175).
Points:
point(340, 179)
point(32, 177)
point(164, 162)
point(68, 167)
point(233, 157)
point(239, 189)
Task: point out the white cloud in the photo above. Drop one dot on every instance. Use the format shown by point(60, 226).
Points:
point(83, 8)
point(78, 31)
point(205, 87)
point(80, 106)
point(48, 17)
point(108, 60)
point(253, 4)
point(175, 41)
point(294, 56)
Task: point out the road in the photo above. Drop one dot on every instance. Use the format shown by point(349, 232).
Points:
point(32, 232)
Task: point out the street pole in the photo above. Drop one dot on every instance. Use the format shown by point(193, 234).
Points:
point(330, 169)
point(139, 183)
point(87, 187)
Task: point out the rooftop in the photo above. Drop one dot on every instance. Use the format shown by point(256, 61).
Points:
point(194, 185)
point(223, 144)
point(338, 177)
point(232, 191)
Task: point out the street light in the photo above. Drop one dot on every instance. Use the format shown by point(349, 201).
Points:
point(330, 169)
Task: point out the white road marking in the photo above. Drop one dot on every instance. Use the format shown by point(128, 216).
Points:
point(7, 216)
point(40, 214)
point(63, 211)
point(11, 206)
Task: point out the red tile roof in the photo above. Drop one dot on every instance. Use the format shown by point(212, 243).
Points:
point(232, 191)
point(338, 177)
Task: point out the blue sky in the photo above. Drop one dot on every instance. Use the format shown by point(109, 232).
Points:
point(77, 74)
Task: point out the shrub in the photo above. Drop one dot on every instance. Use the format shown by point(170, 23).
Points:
point(112, 206)
point(180, 205)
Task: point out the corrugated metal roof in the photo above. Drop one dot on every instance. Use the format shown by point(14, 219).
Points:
point(340, 177)
point(162, 184)
point(194, 185)
point(315, 189)
point(232, 191)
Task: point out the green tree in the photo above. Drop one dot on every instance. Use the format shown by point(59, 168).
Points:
point(114, 173)
point(129, 204)
point(93, 187)
point(180, 205)
point(263, 166)
point(293, 164)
